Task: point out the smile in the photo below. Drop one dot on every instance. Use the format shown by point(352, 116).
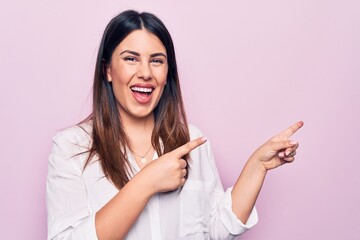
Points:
point(144, 90)
point(142, 94)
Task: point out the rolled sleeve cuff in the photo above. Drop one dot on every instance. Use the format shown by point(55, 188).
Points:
point(230, 220)
point(86, 229)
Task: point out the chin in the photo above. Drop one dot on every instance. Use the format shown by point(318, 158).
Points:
point(142, 114)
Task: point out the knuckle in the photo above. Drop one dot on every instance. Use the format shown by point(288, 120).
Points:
point(272, 144)
point(178, 165)
point(183, 163)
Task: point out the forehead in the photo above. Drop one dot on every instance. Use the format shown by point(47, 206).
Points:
point(143, 42)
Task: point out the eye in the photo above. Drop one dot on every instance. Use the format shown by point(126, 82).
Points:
point(131, 59)
point(157, 61)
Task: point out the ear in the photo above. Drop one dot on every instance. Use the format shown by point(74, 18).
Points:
point(108, 74)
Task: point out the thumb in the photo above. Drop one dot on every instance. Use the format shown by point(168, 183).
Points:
point(188, 147)
point(278, 145)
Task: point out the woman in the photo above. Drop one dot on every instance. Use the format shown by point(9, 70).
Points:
point(134, 169)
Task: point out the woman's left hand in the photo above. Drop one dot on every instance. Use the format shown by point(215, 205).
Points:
point(278, 150)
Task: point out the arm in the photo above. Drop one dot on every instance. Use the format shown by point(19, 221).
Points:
point(167, 173)
point(223, 222)
point(69, 214)
point(115, 219)
point(272, 154)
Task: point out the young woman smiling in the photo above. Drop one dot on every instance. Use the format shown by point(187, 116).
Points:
point(135, 169)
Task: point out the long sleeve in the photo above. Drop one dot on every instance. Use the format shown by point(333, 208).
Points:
point(201, 210)
point(224, 224)
point(70, 215)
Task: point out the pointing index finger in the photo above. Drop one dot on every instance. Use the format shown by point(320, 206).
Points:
point(291, 130)
point(189, 146)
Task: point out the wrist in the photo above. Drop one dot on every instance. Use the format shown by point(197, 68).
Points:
point(144, 184)
point(257, 166)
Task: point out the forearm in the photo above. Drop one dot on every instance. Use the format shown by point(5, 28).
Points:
point(247, 188)
point(165, 174)
point(274, 153)
point(115, 219)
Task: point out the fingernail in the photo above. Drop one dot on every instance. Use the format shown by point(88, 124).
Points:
point(293, 142)
point(287, 153)
point(281, 154)
point(204, 139)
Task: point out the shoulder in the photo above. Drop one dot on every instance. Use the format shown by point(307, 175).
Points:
point(72, 143)
point(202, 162)
point(78, 137)
point(74, 133)
point(194, 132)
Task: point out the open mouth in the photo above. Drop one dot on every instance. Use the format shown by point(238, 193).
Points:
point(142, 90)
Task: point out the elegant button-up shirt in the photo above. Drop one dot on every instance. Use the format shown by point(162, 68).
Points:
point(200, 210)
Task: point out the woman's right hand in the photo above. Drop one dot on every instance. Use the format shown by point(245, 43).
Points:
point(168, 172)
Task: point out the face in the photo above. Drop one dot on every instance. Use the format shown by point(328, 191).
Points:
point(138, 73)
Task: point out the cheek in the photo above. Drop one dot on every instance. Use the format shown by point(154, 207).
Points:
point(161, 76)
point(119, 85)
point(120, 80)
point(122, 74)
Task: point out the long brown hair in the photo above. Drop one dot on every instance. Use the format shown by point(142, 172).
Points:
point(109, 139)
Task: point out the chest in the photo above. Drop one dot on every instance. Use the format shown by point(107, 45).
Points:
point(184, 212)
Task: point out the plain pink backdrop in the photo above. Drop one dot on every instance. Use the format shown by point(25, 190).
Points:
point(248, 70)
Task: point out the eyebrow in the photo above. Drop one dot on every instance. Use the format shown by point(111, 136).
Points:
point(138, 54)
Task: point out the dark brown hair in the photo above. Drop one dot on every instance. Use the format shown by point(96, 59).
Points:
point(109, 139)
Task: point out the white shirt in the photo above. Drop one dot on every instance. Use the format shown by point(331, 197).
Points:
point(201, 210)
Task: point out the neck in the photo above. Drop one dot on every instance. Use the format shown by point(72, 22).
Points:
point(138, 129)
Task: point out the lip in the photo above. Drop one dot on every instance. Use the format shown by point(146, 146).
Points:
point(140, 97)
point(143, 85)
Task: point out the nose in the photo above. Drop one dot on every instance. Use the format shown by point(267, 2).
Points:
point(144, 71)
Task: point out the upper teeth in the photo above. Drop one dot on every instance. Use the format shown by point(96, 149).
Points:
point(141, 89)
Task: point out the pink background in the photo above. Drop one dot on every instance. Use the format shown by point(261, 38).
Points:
point(248, 70)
